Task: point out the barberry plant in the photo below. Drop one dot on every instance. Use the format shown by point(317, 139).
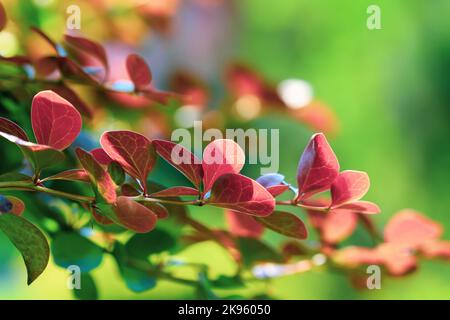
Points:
point(123, 196)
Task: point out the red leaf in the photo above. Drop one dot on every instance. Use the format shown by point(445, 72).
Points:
point(364, 207)
point(98, 176)
point(397, 259)
point(9, 127)
point(317, 169)
point(286, 224)
point(135, 216)
point(133, 151)
point(176, 192)
point(157, 209)
point(18, 207)
point(220, 157)
point(101, 156)
point(349, 186)
point(3, 19)
point(239, 193)
point(138, 71)
point(277, 190)
point(243, 225)
point(91, 47)
point(333, 227)
point(55, 121)
point(412, 229)
point(180, 158)
point(436, 249)
point(70, 175)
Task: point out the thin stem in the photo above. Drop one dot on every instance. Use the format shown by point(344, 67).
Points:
point(301, 205)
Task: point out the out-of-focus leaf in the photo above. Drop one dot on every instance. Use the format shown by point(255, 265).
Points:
point(15, 176)
point(317, 169)
point(136, 279)
point(243, 225)
point(254, 251)
point(286, 224)
point(55, 120)
point(3, 19)
point(143, 245)
point(239, 193)
point(133, 151)
point(364, 207)
point(98, 176)
point(88, 46)
point(270, 180)
point(182, 159)
point(348, 187)
point(70, 248)
point(161, 211)
point(9, 127)
point(17, 205)
point(138, 71)
point(71, 96)
point(133, 215)
point(29, 240)
point(220, 157)
point(88, 290)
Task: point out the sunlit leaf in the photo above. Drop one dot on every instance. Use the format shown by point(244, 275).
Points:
point(348, 187)
point(133, 151)
point(239, 193)
point(318, 167)
point(70, 175)
point(220, 157)
point(243, 225)
point(55, 121)
point(29, 240)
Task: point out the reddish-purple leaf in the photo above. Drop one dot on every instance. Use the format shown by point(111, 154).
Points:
point(55, 121)
point(9, 127)
point(239, 193)
point(138, 71)
point(317, 169)
point(220, 157)
point(333, 227)
point(40, 156)
point(70, 175)
point(348, 187)
point(411, 228)
point(101, 156)
point(133, 151)
point(182, 159)
point(277, 190)
point(91, 47)
point(3, 18)
point(135, 216)
point(286, 224)
point(157, 209)
point(243, 225)
point(128, 190)
point(176, 192)
point(364, 207)
point(99, 177)
point(18, 207)
point(18, 60)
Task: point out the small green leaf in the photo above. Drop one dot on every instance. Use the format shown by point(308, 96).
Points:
point(144, 244)
point(88, 290)
point(29, 240)
point(137, 273)
point(70, 248)
point(116, 172)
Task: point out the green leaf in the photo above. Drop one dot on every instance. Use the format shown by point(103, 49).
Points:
point(88, 290)
point(29, 240)
point(116, 172)
point(70, 248)
point(144, 244)
point(136, 273)
point(254, 251)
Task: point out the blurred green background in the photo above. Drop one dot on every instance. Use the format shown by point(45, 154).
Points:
point(390, 90)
